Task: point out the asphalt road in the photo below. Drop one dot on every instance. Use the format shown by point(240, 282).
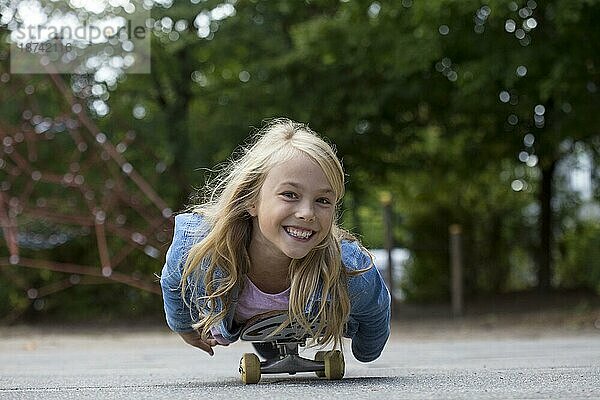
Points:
point(158, 364)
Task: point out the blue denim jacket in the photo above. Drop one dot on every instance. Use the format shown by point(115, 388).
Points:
point(369, 322)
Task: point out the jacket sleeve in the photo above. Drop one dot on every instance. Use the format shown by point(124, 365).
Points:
point(178, 312)
point(369, 322)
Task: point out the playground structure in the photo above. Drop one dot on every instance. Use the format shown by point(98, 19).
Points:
point(62, 178)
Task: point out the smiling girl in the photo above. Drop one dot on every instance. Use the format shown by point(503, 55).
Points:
point(266, 238)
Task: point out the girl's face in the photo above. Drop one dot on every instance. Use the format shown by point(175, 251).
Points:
point(295, 209)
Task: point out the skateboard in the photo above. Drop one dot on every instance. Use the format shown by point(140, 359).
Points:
point(259, 329)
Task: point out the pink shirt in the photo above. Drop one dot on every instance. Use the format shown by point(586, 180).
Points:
point(252, 301)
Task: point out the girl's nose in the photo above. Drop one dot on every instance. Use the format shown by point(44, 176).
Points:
point(306, 212)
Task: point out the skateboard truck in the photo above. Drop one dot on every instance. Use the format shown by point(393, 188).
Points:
point(290, 362)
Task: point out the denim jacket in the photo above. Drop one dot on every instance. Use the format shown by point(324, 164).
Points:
point(369, 322)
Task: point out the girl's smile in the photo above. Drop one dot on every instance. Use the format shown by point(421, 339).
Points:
point(299, 233)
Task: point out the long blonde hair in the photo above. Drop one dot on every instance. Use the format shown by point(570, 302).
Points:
point(224, 249)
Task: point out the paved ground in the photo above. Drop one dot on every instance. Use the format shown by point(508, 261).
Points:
point(423, 360)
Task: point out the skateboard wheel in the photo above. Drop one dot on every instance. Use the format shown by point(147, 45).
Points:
point(334, 365)
point(250, 368)
point(320, 356)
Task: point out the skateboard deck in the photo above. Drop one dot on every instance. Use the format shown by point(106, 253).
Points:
point(261, 329)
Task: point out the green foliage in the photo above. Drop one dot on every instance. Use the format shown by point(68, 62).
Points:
point(491, 217)
point(579, 266)
point(413, 94)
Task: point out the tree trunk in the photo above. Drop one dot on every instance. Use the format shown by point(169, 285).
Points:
point(177, 110)
point(545, 226)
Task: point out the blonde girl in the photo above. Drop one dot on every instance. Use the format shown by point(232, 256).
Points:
point(266, 238)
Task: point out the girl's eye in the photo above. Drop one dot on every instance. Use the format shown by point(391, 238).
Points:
point(324, 200)
point(289, 195)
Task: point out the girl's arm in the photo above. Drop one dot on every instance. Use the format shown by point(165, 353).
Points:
point(189, 229)
point(369, 323)
point(177, 311)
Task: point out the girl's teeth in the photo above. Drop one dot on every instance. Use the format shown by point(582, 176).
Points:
point(299, 233)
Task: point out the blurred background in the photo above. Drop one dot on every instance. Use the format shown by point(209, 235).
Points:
point(469, 131)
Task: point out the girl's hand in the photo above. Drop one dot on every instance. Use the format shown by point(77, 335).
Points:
point(194, 339)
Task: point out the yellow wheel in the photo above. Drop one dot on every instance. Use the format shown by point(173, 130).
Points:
point(250, 368)
point(320, 356)
point(334, 365)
